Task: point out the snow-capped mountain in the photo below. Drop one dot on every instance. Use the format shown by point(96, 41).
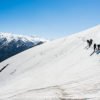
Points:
point(57, 70)
point(11, 44)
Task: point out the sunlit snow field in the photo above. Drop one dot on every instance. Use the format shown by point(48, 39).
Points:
point(57, 70)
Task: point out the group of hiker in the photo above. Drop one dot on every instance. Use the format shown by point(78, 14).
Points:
point(96, 47)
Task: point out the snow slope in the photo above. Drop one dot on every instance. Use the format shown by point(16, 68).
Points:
point(59, 70)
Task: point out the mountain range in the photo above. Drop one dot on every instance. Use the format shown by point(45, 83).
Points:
point(12, 44)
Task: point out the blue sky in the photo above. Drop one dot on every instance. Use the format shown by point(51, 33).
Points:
point(48, 18)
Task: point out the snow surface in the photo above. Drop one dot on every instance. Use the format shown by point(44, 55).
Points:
point(59, 70)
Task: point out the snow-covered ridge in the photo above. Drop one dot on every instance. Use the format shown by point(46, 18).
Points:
point(25, 38)
point(91, 31)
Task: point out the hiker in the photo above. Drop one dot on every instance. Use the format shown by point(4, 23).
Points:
point(98, 47)
point(95, 47)
point(89, 42)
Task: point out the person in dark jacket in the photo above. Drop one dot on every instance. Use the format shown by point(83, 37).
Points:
point(89, 42)
point(98, 46)
point(95, 46)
